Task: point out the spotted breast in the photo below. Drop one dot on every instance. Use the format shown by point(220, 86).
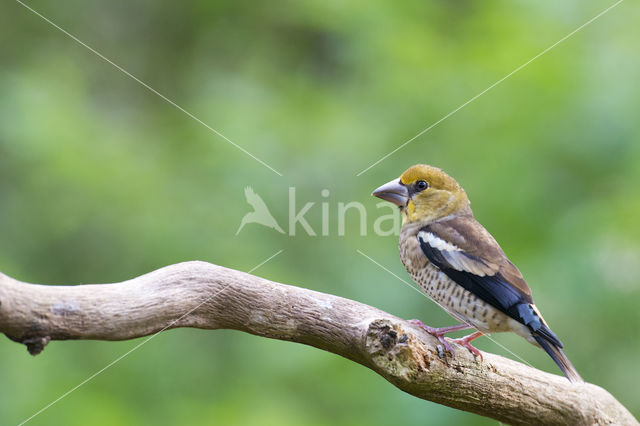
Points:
point(452, 297)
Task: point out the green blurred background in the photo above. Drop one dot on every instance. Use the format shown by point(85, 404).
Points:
point(102, 180)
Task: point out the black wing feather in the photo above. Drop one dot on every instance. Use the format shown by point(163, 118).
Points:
point(493, 289)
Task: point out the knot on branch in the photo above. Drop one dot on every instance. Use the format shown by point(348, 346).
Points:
point(395, 352)
point(35, 345)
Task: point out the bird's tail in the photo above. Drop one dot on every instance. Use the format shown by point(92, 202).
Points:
point(555, 352)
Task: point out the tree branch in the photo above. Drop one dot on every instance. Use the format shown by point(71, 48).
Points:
point(202, 295)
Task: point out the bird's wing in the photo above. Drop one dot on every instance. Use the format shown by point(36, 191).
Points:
point(471, 257)
point(254, 200)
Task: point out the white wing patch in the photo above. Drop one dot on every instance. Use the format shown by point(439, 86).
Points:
point(437, 243)
point(454, 255)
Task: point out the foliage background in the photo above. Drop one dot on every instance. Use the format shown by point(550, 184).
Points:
point(101, 180)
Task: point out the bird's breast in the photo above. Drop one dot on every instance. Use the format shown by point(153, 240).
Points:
point(452, 297)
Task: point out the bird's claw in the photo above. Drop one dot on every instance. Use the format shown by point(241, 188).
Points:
point(436, 333)
point(418, 323)
point(464, 342)
point(447, 346)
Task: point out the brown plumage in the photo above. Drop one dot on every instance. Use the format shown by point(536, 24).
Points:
point(459, 265)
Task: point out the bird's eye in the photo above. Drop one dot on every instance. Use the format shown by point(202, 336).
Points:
point(421, 185)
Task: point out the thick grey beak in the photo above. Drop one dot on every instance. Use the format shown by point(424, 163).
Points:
point(394, 192)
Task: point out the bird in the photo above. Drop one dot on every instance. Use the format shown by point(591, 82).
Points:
point(260, 213)
point(461, 267)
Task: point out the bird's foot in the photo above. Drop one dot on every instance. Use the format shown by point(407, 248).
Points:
point(466, 342)
point(440, 332)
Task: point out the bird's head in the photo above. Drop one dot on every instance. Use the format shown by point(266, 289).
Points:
point(424, 194)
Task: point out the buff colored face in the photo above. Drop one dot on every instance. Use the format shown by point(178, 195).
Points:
point(424, 193)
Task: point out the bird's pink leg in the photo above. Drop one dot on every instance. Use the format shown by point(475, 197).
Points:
point(440, 332)
point(466, 342)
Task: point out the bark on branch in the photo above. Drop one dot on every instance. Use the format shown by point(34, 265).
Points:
point(202, 295)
